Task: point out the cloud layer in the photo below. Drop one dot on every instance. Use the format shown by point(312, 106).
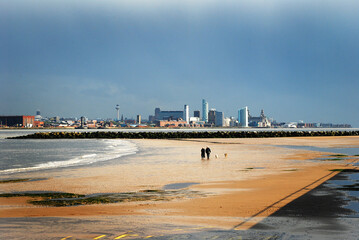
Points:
point(297, 60)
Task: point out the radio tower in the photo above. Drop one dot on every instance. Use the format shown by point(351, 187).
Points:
point(118, 112)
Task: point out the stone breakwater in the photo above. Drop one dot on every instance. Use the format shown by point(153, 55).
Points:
point(194, 134)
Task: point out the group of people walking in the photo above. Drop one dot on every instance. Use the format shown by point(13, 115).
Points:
point(205, 152)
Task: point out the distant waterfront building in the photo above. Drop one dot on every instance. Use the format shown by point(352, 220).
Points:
point(219, 119)
point(194, 119)
point(333, 125)
point(130, 122)
point(38, 115)
point(138, 120)
point(261, 121)
point(212, 116)
point(151, 118)
point(227, 122)
point(83, 121)
point(55, 119)
point(204, 111)
point(243, 117)
point(157, 112)
point(118, 112)
point(186, 113)
point(17, 121)
point(197, 113)
point(168, 115)
point(233, 122)
point(171, 123)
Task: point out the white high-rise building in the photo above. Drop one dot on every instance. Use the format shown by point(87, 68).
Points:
point(186, 113)
point(204, 111)
point(243, 117)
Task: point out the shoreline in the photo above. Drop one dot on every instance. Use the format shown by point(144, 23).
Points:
point(242, 188)
point(99, 152)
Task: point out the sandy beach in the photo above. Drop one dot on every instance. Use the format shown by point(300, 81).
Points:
point(257, 178)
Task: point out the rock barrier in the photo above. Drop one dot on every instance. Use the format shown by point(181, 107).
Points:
point(178, 135)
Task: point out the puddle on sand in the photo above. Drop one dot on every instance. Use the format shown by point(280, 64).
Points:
point(173, 186)
point(354, 206)
point(350, 187)
point(350, 151)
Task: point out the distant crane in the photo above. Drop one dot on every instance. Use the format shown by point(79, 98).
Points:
point(118, 112)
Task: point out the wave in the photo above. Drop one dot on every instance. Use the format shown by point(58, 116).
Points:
point(114, 149)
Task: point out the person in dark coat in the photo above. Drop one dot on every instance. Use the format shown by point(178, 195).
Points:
point(208, 152)
point(203, 153)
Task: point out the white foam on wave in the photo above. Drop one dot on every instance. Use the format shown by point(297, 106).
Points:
point(114, 149)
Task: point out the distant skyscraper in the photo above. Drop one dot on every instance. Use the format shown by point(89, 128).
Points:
point(83, 121)
point(243, 117)
point(219, 119)
point(170, 115)
point(151, 118)
point(197, 114)
point(138, 120)
point(204, 111)
point(186, 113)
point(212, 116)
point(38, 115)
point(118, 112)
point(157, 113)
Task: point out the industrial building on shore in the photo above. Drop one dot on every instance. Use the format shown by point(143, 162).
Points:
point(17, 121)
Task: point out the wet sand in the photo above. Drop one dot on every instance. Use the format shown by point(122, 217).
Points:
point(255, 180)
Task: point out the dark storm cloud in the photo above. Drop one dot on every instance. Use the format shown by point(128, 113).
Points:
point(296, 60)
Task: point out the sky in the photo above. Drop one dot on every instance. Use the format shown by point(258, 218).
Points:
point(297, 60)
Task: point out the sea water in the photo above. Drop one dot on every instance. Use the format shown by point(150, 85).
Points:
point(24, 155)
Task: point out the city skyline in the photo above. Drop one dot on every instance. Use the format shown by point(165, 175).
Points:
point(196, 115)
point(297, 60)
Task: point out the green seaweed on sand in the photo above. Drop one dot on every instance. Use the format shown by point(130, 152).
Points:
point(332, 159)
point(47, 195)
point(15, 180)
point(54, 199)
point(73, 202)
point(152, 191)
point(338, 155)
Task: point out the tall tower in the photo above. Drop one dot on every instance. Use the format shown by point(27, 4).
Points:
point(212, 116)
point(38, 115)
point(197, 114)
point(219, 119)
point(138, 120)
point(186, 113)
point(243, 117)
point(204, 111)
point(118, 112)
point(157, 113)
